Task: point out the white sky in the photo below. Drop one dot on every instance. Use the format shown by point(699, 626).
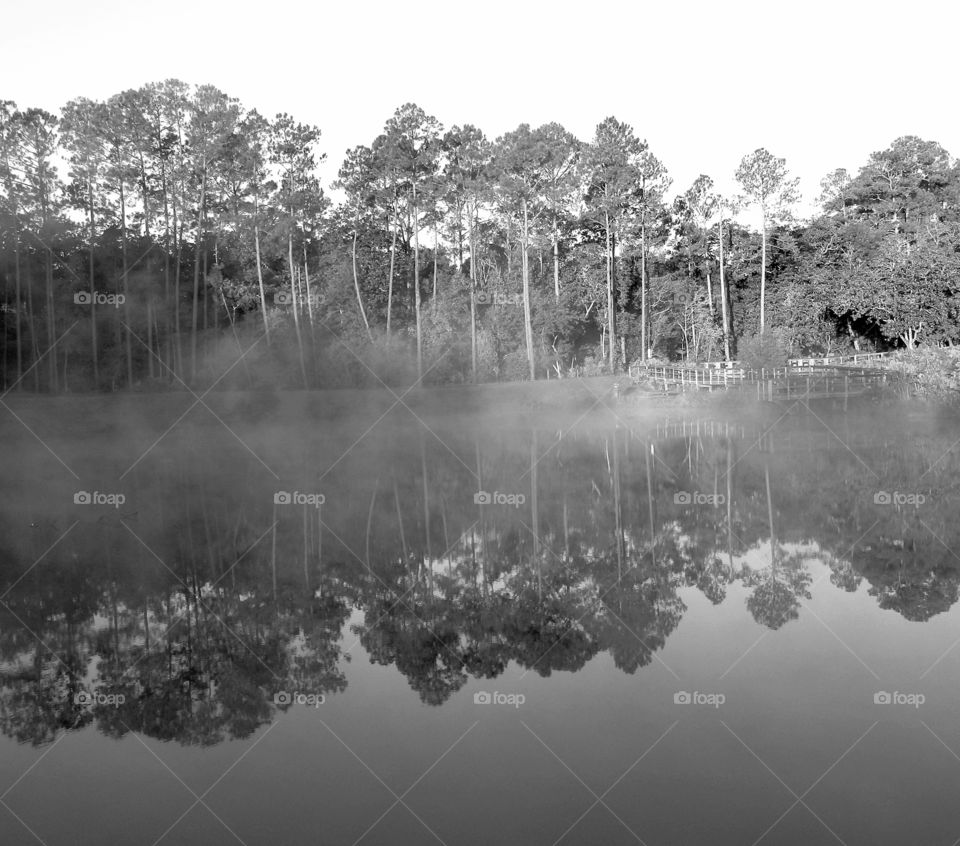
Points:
point(822, 84)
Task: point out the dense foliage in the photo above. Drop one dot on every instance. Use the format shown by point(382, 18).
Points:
point(172, 236)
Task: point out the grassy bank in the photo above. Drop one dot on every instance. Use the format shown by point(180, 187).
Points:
point(930, 373)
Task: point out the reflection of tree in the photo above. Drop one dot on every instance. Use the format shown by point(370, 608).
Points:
point(776, 598)
point(636, 615)
point(200, 644)
point(844, 575)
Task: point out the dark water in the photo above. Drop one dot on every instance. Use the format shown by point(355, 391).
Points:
point(674, 634)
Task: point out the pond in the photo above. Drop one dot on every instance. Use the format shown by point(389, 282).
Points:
point(242, 622)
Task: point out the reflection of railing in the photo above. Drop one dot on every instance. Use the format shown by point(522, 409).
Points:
point(700, 428)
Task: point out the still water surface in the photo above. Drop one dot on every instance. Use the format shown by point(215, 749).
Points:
point(731, 631)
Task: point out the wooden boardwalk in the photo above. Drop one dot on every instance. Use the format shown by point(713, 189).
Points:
point(803, 379)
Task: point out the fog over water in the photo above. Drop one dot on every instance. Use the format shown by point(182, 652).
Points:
point(278, 615)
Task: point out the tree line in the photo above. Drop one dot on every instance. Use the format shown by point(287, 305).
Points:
point(171, 236)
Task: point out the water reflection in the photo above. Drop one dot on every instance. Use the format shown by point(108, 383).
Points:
point(187, 614)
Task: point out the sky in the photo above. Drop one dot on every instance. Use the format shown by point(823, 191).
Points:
point(821, 84)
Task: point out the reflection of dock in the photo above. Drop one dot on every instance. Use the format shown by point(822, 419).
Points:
point(803, 380)
point(700, 429)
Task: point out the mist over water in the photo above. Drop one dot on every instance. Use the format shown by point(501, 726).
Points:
point(506, 609)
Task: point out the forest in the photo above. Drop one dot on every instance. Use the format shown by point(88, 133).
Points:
point(172, 237)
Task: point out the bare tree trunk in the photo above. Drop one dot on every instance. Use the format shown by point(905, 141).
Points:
point(643, 286)
point(436, 256)
point(296, 303)
point(306, 279)
point(473, 299)
point(256, 244)
point(93, 296)
point(525, 267)
point(196, 272)
point(356, 281)
point(611, 305)
point(416, 281)
point(763, 270)
point(556, 258)
point(126, 285)
point(17, 315)
point(723, 297)
point(393, 256)
point(166, 251)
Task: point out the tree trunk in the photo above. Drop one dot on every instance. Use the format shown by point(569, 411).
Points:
point(525, 267)
point(310, 298)
point(393, 256)
point(256, 246)
point(296, 303)
point(643, 287)
point(166, 252)
point(473, 299)
point(17, 315)
point(556, 259)
point(126, 285)
point(416, 281)
point(93, 297)
point(611, 305)
point(763, 271)
point(436, 255)
point(196, 272)
point(723, 297)
point(356, 281)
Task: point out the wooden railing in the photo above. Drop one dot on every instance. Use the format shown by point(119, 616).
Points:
point(834, 360)
point(809, 361)
point(771, 383)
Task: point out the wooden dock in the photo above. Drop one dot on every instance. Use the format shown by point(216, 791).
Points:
point(803, 379)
